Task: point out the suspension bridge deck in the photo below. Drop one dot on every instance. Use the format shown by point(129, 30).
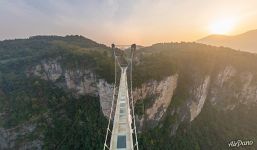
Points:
point(121, 138)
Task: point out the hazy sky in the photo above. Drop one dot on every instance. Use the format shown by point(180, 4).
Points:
point(125, 21)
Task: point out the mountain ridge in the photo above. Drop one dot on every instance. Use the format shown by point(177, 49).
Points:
point(244, 42)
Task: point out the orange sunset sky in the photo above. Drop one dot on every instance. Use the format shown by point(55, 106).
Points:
point(123, 22)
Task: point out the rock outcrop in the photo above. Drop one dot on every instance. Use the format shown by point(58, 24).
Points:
point(241, 86)
point(15, 138)
point(199, 95)
point(158, 95)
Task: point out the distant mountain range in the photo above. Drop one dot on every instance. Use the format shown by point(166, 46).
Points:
point(244, 42)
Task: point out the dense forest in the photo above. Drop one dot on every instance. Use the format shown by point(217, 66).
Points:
point(213, 128)
point(65, 120)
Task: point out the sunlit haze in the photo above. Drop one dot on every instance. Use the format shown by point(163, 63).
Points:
point(223, 26)
point(135, 21)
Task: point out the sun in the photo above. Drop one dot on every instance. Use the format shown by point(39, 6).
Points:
point(224, 26)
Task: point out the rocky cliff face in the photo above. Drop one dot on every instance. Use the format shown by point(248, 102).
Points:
point(163, 92)
point(79, 81)
point(199, 95)
point(83, 82)
point(157, 95)
point(13, 138)
point(242, 87)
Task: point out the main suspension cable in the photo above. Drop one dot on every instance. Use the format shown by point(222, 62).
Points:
point(133, 48)
point(113, 99)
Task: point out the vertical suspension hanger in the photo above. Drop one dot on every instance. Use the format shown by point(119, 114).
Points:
point(114, 97)
point(133, 49)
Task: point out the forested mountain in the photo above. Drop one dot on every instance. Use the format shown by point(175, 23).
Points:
point(55, 93)
point(243, 42)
